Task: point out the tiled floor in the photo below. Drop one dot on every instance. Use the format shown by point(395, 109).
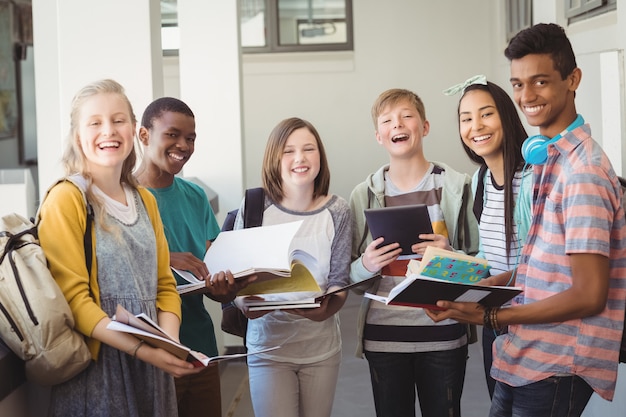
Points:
point(354, 393)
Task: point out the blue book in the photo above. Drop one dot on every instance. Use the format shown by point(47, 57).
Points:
point(451, 266)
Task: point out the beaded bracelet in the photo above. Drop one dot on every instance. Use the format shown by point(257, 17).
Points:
point(487, 318)
point(490, 318)
point(494, 318)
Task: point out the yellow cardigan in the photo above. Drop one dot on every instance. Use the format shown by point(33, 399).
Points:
point(61, 232)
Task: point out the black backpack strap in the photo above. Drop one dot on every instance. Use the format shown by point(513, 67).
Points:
point(87, 240)
point(255, 206)
point(229, 221)
point(480, 191)
point(233, 320)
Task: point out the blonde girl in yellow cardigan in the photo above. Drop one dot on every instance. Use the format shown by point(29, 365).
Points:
point(130, 267)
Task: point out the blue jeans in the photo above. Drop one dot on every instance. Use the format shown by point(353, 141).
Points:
point(564, 396)
point(438, 377)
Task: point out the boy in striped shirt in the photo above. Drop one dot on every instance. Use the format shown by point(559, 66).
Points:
point(405, 350)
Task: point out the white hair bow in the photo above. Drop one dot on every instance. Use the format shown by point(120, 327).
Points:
point(476, 79)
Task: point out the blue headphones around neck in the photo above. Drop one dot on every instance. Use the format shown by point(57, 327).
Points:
point(535, 148)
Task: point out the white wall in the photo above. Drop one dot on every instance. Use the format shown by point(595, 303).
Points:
point(424, 46)
point(421, 45)
point(72, 49)
point(599, 44)
point(418, 45)
point(403, 43)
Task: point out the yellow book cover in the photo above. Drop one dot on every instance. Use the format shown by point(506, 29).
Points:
point(265, 252)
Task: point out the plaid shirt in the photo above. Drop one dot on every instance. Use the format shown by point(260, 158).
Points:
point(576, 209)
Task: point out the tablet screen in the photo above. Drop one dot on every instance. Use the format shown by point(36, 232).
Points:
point(402, 224)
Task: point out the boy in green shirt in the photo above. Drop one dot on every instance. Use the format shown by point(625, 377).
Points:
point(168, 134)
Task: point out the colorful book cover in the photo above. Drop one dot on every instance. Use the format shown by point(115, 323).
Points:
point(456, 270)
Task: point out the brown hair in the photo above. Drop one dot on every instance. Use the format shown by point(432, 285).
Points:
point(514, 135)
point(394, 96)
point(271, 175)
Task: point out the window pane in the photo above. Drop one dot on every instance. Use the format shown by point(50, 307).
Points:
point(310, 22)
point(170, 38)
point(518, 16)
point(253, 31)
point(578, 10)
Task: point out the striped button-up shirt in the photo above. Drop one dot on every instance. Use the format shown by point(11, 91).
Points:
point(576, 209)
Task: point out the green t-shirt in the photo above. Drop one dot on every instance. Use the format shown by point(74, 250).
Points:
point(189, 223)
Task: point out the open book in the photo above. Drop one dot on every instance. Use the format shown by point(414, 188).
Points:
point(264, 251)
point(449, 265)
point(144, 328)
point(421, 291)
point(193, 285)
point(256, 304)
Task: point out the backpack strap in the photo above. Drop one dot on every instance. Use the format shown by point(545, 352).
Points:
point(87, 240)
point(480, 191)
point(229, 221)
point(255, 206)
point(252, 217)
point(366, 229)
point(81, 183)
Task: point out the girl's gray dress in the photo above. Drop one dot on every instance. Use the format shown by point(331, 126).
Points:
point(117, 385)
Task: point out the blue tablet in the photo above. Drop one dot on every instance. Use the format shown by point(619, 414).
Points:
point(402, 224)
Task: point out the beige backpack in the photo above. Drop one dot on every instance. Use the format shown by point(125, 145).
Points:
point(35, 320)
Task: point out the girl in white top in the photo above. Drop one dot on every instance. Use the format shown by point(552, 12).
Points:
point(492, 135)
point(299, 379)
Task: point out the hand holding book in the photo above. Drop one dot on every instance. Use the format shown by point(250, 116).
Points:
point(258, 303)
point(144, 328)
point(193, 285)
point(187, 261)
point(430, 280)
point(220, 286)
point(265, 252)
